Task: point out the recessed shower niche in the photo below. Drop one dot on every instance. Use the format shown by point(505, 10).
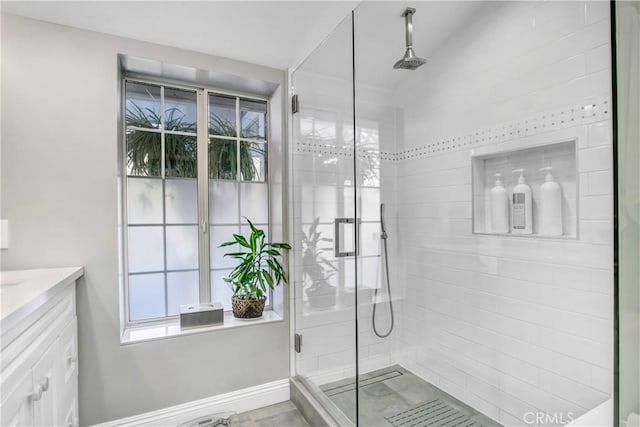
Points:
point(526, 191)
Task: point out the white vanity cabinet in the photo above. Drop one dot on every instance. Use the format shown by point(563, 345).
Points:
point(39, 358)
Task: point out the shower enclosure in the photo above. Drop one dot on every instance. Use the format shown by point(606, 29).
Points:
point(489, 328)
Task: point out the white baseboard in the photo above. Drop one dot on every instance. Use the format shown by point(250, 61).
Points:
point(237, 401)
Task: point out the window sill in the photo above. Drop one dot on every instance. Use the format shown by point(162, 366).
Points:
point(171, 328)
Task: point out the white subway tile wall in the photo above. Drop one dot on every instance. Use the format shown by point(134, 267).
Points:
point(510, 325)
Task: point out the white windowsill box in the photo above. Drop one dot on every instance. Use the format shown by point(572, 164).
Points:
point(171, 328)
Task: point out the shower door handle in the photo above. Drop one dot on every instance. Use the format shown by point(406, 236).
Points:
point(338, 237)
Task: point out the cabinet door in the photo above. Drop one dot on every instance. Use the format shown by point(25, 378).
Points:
point(69, 344)
point(16, 408)
point(46, 376)
point(71, 414)
point(69, 379)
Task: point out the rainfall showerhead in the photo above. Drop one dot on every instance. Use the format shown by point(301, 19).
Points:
point(409, 61)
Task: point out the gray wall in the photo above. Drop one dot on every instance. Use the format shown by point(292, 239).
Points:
point(59, 193)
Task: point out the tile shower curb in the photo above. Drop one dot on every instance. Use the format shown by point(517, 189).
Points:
point(310, 408)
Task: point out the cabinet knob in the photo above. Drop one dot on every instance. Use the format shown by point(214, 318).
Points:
point(71, 360)
point(36, 395)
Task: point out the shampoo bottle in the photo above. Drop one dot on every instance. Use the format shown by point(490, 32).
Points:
point(521, 209)
point(499, 207)
point(550, 211)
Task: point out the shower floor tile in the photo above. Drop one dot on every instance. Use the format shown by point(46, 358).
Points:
point(389, 391)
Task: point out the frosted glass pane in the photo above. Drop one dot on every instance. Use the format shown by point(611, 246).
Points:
point(145, 249)
point(253, 161)
point(182, 247)
point(220, 291)
point(217, 236)
point(143, 105)
point(223, 202)
point(181, 197)
point(182, 288)
point(144, 153)
point(180, 110)
point(254, 202)
point(223, 159)
point(180, 156)
point(222, 115)
point(144, 201)
point(146, 296)
point(253, 119)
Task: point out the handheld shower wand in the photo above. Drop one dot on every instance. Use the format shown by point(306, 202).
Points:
point(383, 236)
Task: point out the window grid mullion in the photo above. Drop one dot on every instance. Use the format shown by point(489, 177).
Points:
point(125, 217)
point(163, 169)
point(204, 288)
point(238, 178)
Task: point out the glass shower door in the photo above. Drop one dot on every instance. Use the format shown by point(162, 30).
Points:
point(628, 63)
point(324, 225)
point(477, 328)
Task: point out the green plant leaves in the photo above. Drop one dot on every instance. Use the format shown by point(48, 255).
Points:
point(241, 240)
point(279, 245)
point(144, 149)
point(259, 268)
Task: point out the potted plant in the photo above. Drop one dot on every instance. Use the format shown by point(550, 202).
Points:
point(258, 270)
point(320, 294)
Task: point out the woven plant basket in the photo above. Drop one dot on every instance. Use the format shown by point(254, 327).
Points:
point(247, 308)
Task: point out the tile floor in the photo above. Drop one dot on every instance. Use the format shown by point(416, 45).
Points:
point(389, 391)
point(383, 393)
point(283, 414)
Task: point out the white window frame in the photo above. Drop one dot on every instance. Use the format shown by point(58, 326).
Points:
point(202, 138)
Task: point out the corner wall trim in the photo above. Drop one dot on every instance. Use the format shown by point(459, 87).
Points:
point(243, 400)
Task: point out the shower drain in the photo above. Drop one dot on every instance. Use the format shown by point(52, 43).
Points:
point(434, 413)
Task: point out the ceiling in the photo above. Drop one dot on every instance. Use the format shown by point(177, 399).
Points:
point(277, 34)
point(380, 39)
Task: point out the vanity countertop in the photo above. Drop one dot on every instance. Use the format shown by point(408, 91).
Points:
point(23, 291)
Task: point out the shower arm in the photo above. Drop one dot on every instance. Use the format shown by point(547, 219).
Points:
point(408, 20)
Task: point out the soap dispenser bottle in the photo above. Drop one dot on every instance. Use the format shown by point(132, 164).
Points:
point(499, 207)
point(550, 211)
point(521, 210)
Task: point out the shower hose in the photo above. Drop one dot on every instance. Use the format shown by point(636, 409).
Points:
point(383, 236)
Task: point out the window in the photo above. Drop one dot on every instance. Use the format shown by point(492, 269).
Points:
point(196, 164)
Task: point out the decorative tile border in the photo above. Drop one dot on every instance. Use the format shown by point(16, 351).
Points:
point(327, 149)
point(577, 114)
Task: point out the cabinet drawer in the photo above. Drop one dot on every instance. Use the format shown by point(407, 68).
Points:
point(41, 333)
